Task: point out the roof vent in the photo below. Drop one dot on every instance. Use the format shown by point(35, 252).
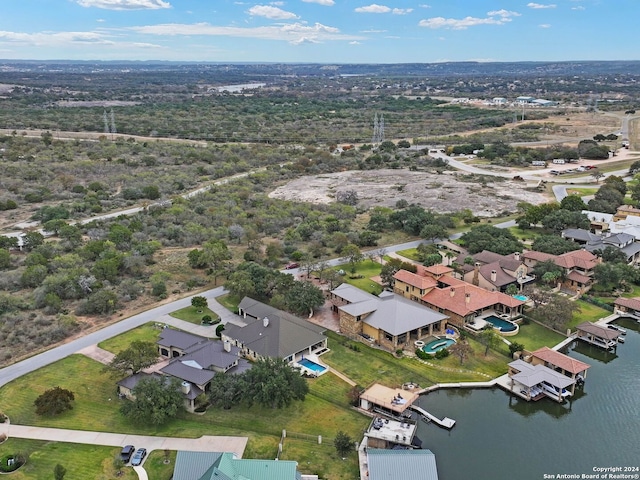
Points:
point(265, 322)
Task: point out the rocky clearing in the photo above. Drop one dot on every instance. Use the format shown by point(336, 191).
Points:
point(442, 193)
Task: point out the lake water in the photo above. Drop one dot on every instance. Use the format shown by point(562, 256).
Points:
point(498, 436)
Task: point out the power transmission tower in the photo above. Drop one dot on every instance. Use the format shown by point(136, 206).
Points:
point(378, 130)
point(113, 124)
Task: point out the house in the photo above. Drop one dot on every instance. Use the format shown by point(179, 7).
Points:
point(596, 243)
point(495, 272)
point(390, 433)
point(602, 337)
point(629, 306)
point(270, 332)
point(226, 466)
point(577, 265)
point(389, 320)
point(386, 464)
point(572, 368)
point(625, 211)
point(192, 359)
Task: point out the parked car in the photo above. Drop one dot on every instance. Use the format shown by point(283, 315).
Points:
point(126, 452)
point(292, 265)
point(138, 457)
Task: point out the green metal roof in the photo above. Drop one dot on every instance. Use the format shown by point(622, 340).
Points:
point(216, 466)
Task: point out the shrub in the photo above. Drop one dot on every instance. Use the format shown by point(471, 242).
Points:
point(421, 354)
point(16, 461)
point(219, 330)
point(443, 353)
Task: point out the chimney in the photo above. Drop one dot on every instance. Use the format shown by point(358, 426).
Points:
point(265, 322)
point(185, 387)
point(227, 346)
point(517, 256)
point(494, 275)
point(467, 297)
point(452, 291)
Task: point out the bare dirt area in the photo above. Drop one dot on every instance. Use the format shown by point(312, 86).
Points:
point(442, 193)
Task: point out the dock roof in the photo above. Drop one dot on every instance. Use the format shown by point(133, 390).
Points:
point(384, 396)
point(561, 360)
point(531, 375)
point(598, 331)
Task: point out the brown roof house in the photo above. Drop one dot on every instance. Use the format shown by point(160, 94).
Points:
point(390, 320)
point(495, 272)
point(578, 267)
point(273, 333)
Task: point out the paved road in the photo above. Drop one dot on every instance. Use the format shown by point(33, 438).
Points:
point(206, 443)
point(158, 314)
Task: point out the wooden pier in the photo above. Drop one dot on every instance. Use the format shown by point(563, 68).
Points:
point(446, 422)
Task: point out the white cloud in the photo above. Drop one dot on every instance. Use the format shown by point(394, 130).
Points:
point(373, 31)
point(545, 25)
point(424, 5)
point(503, 13)
point(539, 5)
point(373, 8)
point(579, 7)
point(496, 17)
point(125, 4)
point(327, 3)
point(303, 40)
point(355, 42)
point(69, 40)
point(401, 11)
point(277, 4)
point(291, 32)
point(273, 13)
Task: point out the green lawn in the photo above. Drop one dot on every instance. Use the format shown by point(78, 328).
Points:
point(194, 315)
point(366, 269)
point(156, 467)
point(370, 365)
point(410, 253)
point(96, 407)
point(583, 192)
point(146, 333)
point(534, 336)
point(230, 302)
point(81, 461)
point(588, 313)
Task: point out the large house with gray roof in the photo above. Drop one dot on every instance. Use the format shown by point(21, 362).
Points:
point(270, 332)
point(389, 320)
point(595, 243)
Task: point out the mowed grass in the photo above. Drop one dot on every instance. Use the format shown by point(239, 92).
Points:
point(81, 461)
point(324, 412)
point(588, 313)
point(410, 253)
point(194, 315)
point(366, 269)
point(370, 365)
point(155, 466)
point(145, 333)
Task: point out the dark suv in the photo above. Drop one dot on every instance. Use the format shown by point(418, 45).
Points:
point(126, 452)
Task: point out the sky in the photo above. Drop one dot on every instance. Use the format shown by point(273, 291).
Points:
point(319, 31)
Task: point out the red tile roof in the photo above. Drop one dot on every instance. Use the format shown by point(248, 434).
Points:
point(415, 280)
point(561, 360)
point(464, 298)
point(577, 258)
point(438, 269)
point(578, 277)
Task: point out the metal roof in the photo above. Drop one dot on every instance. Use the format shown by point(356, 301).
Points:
point(401, 464)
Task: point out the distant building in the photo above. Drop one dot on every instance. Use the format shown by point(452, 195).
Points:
point(524, 99)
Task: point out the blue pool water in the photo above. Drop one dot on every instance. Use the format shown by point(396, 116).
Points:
point(438, 344)
point(522, 298)
point(504, 325)
point(305, 362)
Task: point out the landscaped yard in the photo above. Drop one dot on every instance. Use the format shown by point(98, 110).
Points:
point(365, 269)
point(410, 253)
point(588, 313)
point(146, 333)
point(96, 407)
point(193, 314)
point(534, 336)
point(81, 461)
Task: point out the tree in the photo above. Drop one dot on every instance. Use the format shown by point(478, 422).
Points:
point(512, 289)
point(433, 259)
point(488, 237)
point(31, 240)
point(515, 347)
point(215, 254)
point(432, 232)
point(556, 313)
point(343, 443)
point(353, 255)
point(303, 298)
point(553, 244)
point(139, 355)
point(274, 383)
point(612, 255)
point(461, 349)
point(226, 390)
point(156, 401)
point(597, 175)
point(573, 203)
point(54, 401)
point(59, 472)
point(393, 266)
point(489, 338)
point(563, 219)
point(199, 302)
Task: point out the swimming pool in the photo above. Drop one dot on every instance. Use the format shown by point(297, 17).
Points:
point(316, 368)
point(438, 344)
point(522, 298)
point(505, 326)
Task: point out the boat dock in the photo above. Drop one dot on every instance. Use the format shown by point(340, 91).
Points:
point(446, 422)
